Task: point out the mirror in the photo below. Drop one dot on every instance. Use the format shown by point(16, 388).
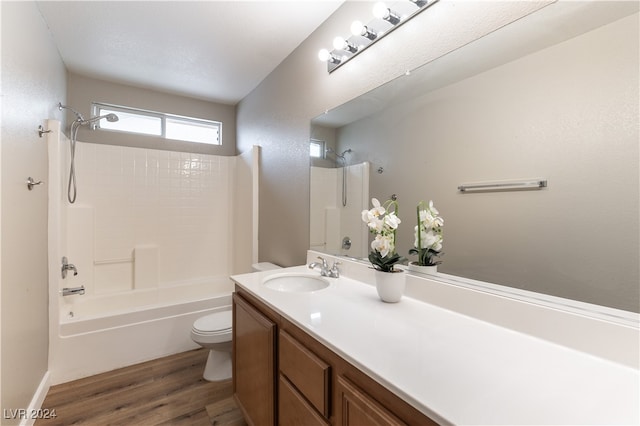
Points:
point(338, 192)
point(559, 104)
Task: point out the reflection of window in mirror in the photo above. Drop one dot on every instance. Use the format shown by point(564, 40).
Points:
point(317, 148)
point(326, 136)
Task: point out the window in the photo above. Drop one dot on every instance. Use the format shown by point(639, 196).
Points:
point(316, 148)
point(166, 126)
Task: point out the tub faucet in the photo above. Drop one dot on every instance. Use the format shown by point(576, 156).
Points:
point(66, 266)
point(67, 291)
point(325, 271)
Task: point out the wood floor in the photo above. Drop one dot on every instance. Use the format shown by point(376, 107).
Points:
point(166, 391)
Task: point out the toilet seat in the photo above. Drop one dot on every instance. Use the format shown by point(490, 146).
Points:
point(212, 328)
point(217, 323)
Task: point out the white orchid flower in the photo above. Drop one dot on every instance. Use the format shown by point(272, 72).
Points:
point(428, 232)
point(433, 209)
point(376, 225)
point(383, 245)
point(392, 221)
point(432, 240)
point(377, 209)
point(368, 216)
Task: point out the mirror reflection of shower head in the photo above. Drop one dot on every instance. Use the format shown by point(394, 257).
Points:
point(341, 156)
point(340, 159)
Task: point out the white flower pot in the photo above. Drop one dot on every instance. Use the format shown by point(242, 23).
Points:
point(414, 267)
point(390, 285)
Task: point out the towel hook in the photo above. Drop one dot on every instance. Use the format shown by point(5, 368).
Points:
point(31, 183)
point(42, 131)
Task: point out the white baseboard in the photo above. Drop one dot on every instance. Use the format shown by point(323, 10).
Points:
point(35, 406)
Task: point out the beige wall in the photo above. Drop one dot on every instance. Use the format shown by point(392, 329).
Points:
point(83, 90)
point(276, 114)
point(568, 113)
point(33, 81)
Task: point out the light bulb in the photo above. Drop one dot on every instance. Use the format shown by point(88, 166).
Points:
point(339, 43)
point(357, 28)
point(324, 55)
point(380, 10)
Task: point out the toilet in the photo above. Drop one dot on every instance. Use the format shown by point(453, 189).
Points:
point(213, 332)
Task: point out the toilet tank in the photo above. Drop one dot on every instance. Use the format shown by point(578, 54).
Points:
point(264, 266)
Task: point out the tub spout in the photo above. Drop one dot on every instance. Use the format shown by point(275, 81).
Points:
point(70, 291)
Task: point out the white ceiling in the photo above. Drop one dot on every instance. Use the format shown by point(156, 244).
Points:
point(212, 50)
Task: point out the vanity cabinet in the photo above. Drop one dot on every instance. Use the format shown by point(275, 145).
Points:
point(284, 376)
point(254, 374)
point(356, 407)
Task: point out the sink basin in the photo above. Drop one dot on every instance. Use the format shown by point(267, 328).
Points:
point(295, 282)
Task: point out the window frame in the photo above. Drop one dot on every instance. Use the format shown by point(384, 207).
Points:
point(323, 148)
point(97, 107)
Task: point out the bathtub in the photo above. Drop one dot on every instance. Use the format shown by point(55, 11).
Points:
point(99, 333)
point(132, 214)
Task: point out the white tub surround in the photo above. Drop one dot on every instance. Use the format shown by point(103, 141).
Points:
point(153, 239)
point(470, 355)
point(329, 220)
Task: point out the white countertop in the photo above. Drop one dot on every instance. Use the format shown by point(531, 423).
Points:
point(454, 368)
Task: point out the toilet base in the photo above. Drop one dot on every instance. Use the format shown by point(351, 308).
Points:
point(218, 366)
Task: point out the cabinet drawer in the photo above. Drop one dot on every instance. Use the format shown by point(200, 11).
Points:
point(293, 408)
point(308, 373)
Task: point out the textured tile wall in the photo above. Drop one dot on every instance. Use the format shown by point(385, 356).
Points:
point(179, 202)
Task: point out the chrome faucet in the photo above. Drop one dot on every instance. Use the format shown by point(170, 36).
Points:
point(73, 290)
point(66, 266)
point(325, 271)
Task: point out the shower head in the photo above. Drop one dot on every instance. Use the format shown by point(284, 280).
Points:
point(80, 119)
point(341, 156)
point(79, 116)
point(110, 118)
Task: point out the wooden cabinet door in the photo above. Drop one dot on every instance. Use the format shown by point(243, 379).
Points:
point(254, 368)
point(356, 408)
point(294, 410)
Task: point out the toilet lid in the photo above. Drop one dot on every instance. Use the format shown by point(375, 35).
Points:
point(214, 323)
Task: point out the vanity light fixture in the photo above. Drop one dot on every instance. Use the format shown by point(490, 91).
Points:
point(386, 19)
point(419, 3)
point(381, 11)
point(340, 43)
